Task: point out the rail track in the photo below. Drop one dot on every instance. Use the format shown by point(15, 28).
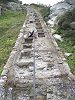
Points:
point(36, 68)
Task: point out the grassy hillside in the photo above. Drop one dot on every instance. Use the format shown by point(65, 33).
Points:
point(68, 33)
point(10, 24)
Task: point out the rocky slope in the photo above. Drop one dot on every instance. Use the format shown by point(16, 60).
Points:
point(71, 2)
point(59, 8)
point(14, 6)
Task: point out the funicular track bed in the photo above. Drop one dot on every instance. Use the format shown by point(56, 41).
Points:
point(52, 81)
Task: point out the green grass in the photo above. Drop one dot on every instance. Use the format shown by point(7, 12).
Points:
point(10, 24)
point(66, 46)
point(68, 33)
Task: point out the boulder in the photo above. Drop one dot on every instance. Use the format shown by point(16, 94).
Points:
point(59, 8)
point(58, 37)
point(14, 6)
point(73, 47)
point(52, 21)
point(72, 24)
point(68, 54)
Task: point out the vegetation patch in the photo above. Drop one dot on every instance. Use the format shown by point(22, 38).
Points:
point(63, 27)
point(10, 25)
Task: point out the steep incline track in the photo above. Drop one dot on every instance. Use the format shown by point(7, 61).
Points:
point(36, 68)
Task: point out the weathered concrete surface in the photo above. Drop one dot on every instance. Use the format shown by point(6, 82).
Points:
point(52, 74)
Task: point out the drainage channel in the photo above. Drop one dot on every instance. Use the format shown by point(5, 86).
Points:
point(38, 70)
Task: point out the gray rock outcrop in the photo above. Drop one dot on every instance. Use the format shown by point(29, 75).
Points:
point(71, 2)
point(60, 8)
point(14, 6)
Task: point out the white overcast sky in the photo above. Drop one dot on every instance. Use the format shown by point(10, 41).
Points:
point(46, 2)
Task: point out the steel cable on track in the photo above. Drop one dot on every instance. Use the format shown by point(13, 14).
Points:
point(34, 89)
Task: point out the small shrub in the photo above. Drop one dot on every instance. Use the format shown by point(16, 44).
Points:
point(65, 25)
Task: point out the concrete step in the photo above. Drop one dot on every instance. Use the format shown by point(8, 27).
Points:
point(25, 62)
